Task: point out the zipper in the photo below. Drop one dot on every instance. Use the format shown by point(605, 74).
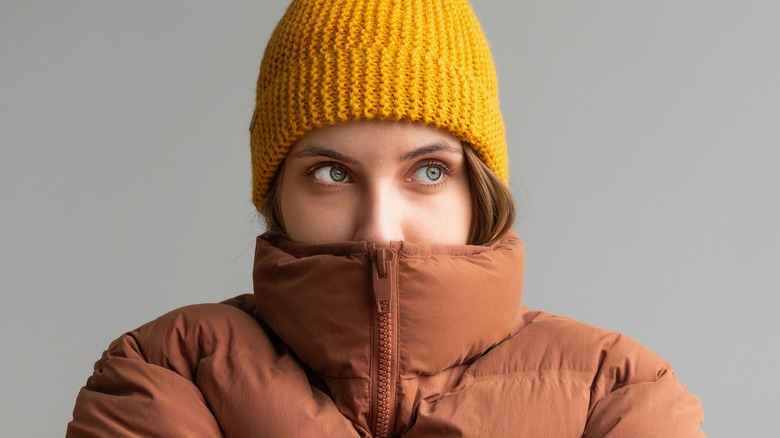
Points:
point(385, 365)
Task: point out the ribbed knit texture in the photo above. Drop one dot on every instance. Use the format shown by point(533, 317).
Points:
point(332, 61)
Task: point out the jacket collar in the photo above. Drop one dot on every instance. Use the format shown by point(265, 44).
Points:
point(452, 302)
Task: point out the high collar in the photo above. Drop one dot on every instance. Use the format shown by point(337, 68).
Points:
point(453, 302)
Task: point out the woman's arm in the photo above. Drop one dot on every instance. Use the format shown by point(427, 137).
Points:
point(636, 393)
point(663, 408)
point(126, 396)
point(206, 370)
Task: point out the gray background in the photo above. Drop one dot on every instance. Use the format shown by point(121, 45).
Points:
point(644, 146)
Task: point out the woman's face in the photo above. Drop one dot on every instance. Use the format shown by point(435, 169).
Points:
point(378, 181)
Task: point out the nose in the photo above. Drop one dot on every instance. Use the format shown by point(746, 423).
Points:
point(380, 219)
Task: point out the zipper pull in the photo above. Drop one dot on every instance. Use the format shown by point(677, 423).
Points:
point(382, 277)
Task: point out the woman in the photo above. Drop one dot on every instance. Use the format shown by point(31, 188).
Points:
point(387, 288)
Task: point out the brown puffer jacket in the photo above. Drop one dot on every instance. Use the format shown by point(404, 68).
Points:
point(352, 340)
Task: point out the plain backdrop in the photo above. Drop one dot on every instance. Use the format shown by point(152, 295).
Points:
point(644, 141)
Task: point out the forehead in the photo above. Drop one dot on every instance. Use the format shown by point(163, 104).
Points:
point(375, 137)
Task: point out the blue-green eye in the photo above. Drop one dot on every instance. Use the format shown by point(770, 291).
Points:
point(330, 174)
point(337, 174)
point(429, 174)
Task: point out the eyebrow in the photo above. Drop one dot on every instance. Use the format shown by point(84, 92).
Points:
point(436, 147)
point(320, 151)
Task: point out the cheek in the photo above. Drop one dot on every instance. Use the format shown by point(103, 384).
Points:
point(441, 219)
point(312, 219)
point(458, 218)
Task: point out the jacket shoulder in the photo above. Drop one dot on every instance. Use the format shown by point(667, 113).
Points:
point(173, 375)
point(619, 386)
point(548, 341)
point(181, 338)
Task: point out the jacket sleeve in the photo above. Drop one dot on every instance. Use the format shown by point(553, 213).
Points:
point(208, 370)
point(168, 377)
point(636, 394)
point(126, 396)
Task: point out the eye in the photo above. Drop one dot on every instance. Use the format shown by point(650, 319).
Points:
point(330, 174)
point(429, 174)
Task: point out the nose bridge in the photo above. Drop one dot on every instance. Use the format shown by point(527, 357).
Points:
point(380, 219)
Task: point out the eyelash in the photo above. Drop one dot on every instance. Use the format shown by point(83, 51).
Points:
point(309, 173)
point(446, 171)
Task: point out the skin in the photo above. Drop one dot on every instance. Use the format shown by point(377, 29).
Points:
point(378, 181)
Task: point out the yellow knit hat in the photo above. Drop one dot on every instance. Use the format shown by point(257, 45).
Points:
point(332, 61)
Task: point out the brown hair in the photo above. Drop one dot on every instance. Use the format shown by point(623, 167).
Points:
point(491, 202)
point(493, 209)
